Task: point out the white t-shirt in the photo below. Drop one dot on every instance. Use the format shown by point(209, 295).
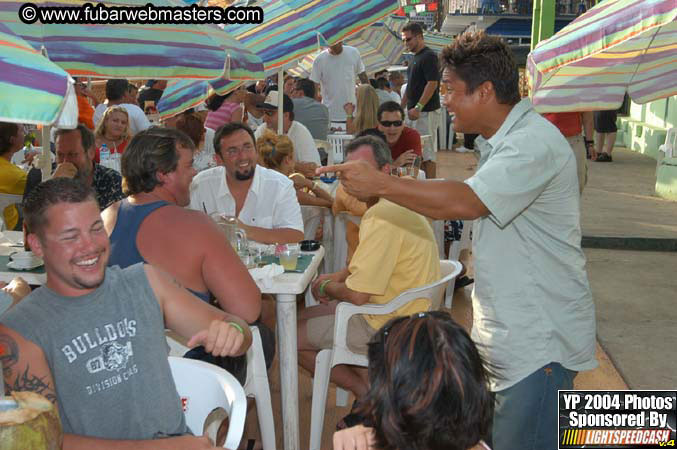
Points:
point(336, 75)
point(271, 201)
point(137, 119)
point(304, 144)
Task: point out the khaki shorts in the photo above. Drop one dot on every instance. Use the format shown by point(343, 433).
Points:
point(320, 332)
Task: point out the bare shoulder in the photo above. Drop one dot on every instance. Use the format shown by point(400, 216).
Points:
point(110, 216)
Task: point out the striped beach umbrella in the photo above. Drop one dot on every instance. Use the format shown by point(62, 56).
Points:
point(134, 50)
point(436, 41)
point(617, 47)
point(291, 30)
point(32, 89)
point(378, 47)
point(295, 28)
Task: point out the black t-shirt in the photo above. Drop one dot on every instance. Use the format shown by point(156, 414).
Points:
point(424, 67)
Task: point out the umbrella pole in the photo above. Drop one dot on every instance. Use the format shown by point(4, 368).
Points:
point(280, 100)
point(46, 156)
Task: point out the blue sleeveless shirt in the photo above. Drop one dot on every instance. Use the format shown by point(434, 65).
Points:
point(123, 249)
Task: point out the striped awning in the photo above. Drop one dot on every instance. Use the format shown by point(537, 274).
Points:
point(378, 47)
point(291, 30)
point(436, 41)
point(136, 51)
point(32, 89)
point(295, 28)
point(617, 47)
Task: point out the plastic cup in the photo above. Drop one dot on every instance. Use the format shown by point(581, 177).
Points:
point(289, 257)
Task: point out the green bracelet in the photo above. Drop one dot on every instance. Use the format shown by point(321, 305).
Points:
point(322, 286)
point(237, 326)
point(419, 106)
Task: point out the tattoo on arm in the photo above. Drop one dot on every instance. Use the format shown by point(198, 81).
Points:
point(26, 381)
point(31, 382)
point(9, 352)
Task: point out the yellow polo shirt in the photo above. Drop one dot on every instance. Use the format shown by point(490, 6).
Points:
point(12, 181)
point(397, 251)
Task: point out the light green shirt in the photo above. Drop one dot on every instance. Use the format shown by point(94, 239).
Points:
point(532, 304)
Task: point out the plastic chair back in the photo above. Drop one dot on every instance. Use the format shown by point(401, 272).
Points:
point(203, 388)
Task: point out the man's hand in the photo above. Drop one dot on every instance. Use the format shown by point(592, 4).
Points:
point(17, 288)
point(405, 158)
point(221, 339)
point(359, 178)
point(65, 170)
point(315, 288)
point(414, 114)
point(358, 437)
point(301, 182)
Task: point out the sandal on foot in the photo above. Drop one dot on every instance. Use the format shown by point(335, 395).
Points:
point(603, 157)
point(463, 282)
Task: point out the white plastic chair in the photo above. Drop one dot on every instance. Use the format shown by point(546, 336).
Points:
point(204, 387)
point(669, 148)
point(338, 142)
point(341, 354)
point(256, 384)
point(5, 201)
point(455, 253)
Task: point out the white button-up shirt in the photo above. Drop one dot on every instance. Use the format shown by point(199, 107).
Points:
point(271, 201)
point(532, 304)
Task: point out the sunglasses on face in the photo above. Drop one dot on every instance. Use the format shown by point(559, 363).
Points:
point(391, 123)
point(269, 113)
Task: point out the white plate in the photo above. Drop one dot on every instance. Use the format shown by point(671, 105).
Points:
point(22, 266)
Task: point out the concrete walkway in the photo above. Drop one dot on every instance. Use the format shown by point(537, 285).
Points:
point(635, 291)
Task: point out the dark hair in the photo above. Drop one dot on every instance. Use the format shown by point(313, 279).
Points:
point(86, 136)
point(228, 129)
point(50, 193)
point(307, 86)
point(414, 28)
point(192, 126)
point(215, 101)
point(379, 149)
point(149, 152)
point(116, 89)
point(372, 82)
point(382, 83)
point(390, 107)
point(371, 132)
point(476, 57)
point(7, 132)
point(428, 385)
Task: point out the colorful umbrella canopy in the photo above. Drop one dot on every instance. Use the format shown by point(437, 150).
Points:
point(616, 47)
point(181, 95)
point(436, 41)
point(292, 29)
point(32, 89)
point(378, 47)
point(158, 51)
point(395, 24)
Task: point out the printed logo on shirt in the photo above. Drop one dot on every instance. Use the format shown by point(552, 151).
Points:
point(109, 353)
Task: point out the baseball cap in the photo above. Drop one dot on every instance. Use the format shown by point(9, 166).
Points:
point(271, 102)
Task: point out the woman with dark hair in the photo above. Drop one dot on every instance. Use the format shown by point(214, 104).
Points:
point(428, 389)
point(225, 108)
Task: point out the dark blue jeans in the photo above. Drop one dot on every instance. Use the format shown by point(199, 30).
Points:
point(526, 415)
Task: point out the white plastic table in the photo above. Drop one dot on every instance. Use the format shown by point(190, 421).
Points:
point(285, 287)
point(8, 245)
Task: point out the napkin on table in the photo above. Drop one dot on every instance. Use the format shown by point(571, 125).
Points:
point(266, 274)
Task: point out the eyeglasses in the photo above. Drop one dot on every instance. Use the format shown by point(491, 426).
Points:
point(269, 113)
point(233, 152)
point(391, 123)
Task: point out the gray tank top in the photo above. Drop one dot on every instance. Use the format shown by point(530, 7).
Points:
point(108, 356)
